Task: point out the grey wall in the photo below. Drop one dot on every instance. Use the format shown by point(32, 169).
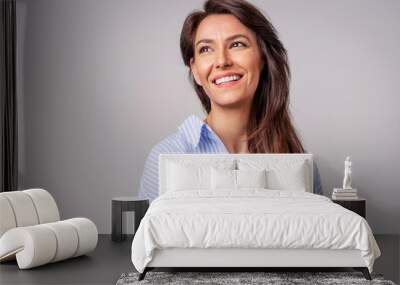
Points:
point(101, 82)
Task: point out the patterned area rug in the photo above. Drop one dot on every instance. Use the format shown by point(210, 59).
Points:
point(270, 278)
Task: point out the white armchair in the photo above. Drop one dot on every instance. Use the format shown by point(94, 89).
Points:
point(31, 230)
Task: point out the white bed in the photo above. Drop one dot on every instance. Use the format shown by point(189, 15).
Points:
point(201, 220)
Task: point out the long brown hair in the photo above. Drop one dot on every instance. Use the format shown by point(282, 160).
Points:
point(269, 129)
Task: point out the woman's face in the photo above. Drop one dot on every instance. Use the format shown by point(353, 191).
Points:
point(227, 61)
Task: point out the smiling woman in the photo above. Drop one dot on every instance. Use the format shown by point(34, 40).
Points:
point(240, 72)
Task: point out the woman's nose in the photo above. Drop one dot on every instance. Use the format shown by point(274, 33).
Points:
point(223, 59)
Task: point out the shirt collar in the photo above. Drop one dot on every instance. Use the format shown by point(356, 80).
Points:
point(193, 128)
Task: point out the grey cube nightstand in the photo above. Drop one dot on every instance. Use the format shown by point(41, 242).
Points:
point(126, 204)
point(358, 206)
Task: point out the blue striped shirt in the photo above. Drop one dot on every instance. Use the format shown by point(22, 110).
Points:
point(193, 136)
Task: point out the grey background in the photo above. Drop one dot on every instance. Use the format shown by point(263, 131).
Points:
point(101, 82)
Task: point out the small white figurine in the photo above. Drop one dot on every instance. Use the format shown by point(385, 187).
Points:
point(347, 174)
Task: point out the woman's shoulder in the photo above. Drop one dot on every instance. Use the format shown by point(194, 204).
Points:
point(182, 140)
point(173, 143)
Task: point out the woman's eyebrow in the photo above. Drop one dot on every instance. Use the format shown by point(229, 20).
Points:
point(228, 39)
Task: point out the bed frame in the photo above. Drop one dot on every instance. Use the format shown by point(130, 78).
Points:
point(248, 259)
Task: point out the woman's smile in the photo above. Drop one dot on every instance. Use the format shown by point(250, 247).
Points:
point(227, 84)
point(227, 80)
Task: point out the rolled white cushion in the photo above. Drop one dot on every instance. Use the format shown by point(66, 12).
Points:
point(45, 205)
point(7, 218)
point(40, 244)
point(33, 245)
point(87, 234)
point(67, 240)
point(23, 208)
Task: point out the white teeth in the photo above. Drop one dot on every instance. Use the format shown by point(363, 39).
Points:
point(227, 79)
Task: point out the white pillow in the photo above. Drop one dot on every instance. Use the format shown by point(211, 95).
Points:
point(281, 174)
point(185, 175)
point(223, 179)
point(237, 179)
point(251, 178)
point(293, 178)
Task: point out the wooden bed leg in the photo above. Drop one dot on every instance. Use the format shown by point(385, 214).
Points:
point(364, 271)
point(142, 275)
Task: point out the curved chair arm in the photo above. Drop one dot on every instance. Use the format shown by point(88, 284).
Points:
point(40, 244)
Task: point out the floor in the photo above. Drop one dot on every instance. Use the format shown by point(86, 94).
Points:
point(111, 259)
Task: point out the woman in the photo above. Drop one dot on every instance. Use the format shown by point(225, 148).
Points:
point(240, 72)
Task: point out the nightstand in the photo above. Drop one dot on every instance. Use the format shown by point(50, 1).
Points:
point(358, 206)
point(124, 204)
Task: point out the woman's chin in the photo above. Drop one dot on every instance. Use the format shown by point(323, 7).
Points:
point(230, 104)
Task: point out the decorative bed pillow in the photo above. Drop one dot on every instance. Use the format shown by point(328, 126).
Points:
point(184, 175)
point(293, 178)
point(223, 179)
point(237, 179)
point(181, 177)
point(251, 178)
point(281, 174)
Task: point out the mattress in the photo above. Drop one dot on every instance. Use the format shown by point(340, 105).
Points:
point(250, 219)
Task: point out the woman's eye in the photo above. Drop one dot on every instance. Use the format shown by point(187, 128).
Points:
point(204, 49)
point(238, 44)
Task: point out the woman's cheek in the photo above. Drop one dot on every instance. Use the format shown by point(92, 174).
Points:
point(204, 72)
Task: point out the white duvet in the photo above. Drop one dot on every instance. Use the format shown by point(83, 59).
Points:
point(251, 218)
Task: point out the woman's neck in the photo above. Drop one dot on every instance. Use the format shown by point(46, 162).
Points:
point(231, 128)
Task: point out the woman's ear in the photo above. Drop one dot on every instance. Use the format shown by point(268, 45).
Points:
point(193, 68)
